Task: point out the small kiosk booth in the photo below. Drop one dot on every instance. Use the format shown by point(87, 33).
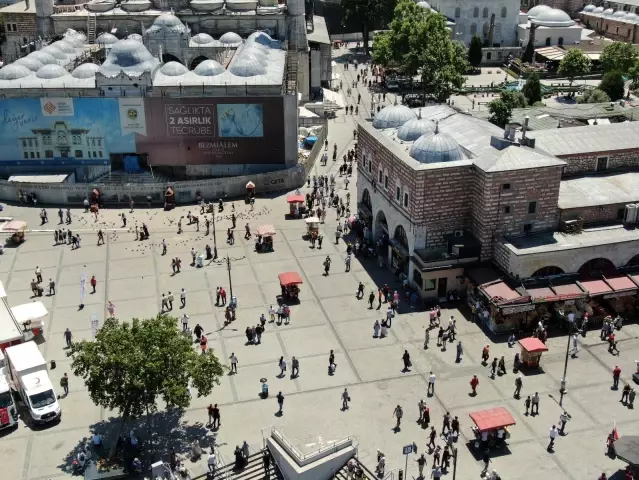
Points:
point(531, 350)
point(296, 207)
point(169, 199)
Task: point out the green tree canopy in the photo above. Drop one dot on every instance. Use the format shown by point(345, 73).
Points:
point(130, 366)
point(368, 14)
point(574, 64)
point(532, 88)
point(618, 56)
point(500, 112)
point(593, 96)
point(475, 51)
point(613, 85)
point(633, 73)
point(514, 99)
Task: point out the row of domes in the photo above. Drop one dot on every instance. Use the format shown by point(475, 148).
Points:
point(199, 5)
point(430, 145)
point(609, 12)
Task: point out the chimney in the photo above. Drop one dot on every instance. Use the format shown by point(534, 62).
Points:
point(524, 128)
point(26, 4)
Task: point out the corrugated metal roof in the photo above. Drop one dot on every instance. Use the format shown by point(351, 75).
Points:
point(590, 139)
point(590, 191)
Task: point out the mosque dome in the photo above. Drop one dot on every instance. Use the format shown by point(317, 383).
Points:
point(533, 12)
point(51, 71)
point(168, 23)
point(246, 67)
point(202, 39)
point(553, 18)
point(260, 38)
point(32, 63)
point(76, 40)
point(106, 39)
point(253, 54)
point(415, 128)
point(393, 116)
point(55, 52)
point(135, 36)
point(619, 14)
point(608, 12)
point(209, 68)
point(44, 57)
point(631, 17)
point(598, 10)
point(173, 69)
point(436, 147)
point(14, 71)
point(230, 38)
point(129, 56)
point(86, 70)
point(241, 5)
point(65, 47)
point(207, 5)
point(135, 5)
point(589, 8)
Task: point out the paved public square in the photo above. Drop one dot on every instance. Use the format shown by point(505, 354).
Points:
point(133, 275)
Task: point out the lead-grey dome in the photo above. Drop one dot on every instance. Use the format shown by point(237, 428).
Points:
point(129, 56)
point(55, 52)
point(86, 70)
point(173, 69)
point(167, 23)
point(230, 38)
point(415, 128)
point(202, 38)
point(65, 47)
point(589, 8)
point(135, 36)
point(44, 57)
point(260, 38)
point(51, 71)
point(619, 14)
point(393, 116)
point(75, 40)
point(553, 17)
point(247, 67)
point(209, 68)
point(253, 54)
point(436, 147)
point(533, 12)
point(608, 12)
point(30, 62)
point(106, 39)
point(14, 71)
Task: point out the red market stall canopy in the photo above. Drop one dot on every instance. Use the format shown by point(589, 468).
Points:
point(556, 293)
point(623, 286)
point(533, 345)
point(290, 278)
point(596, 287)
point(492, 419)
point(265, 230)
point(500, 293)
point(295, 199)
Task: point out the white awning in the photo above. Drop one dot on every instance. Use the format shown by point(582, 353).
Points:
point(38, 178)
point(29, 311)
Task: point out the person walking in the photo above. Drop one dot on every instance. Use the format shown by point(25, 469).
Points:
point(460, 352)
point(38, 274)
point(426, 337)
point(185, 322)
point(535, 404)
point(527, 403)
point(563, 420)
point(282, 364)
point(474, 383)
point(67, 337)
point(183, 298)
point(406, 360)
point(518, 384)
point(616, 374)
point(169, 299)
point(347, 262)
point(266, 461)
point(431, 384)
point(553, 434)
point(486, 460)
point(421, 463)
point(217, 418)
point(233, 359)
point(64, 383)
point(431, 438)
point(51, 287)
point(280, 403)
point(371, 299)
point(398, 413)
point(345, 399)
point(94, 283)
point(295, 367)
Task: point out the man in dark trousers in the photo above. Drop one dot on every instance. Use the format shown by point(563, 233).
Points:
point(616, 373)
point(266, 459)
point(67, 337)
point(215, 413)
point(406, 360)
point(280, 402)
point(431, 437)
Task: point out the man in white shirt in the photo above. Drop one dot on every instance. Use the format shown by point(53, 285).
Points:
point(431, 384)
point(211, 463)
point(183, 298)
point(185, 322)
point(233, 363)
point(553, 435)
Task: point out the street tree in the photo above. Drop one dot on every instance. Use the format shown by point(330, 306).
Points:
point(618, 56)
point(633, 74)
point(475, 51)
point(132, 365)
point(514, 99)
point(532, 88)
point(443, 64)
point(613, 85)
point(593, 95)
point(574, 64)
point(500, 112)
point(367, 14)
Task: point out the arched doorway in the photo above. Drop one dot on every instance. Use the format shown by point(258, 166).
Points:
point(400, 252)
point(167, 57)
point(366, 199)
point(597, 267)
point(560, 41)
point(196, 61)
point(634, 261)
point(548, 271)
point(381, 225)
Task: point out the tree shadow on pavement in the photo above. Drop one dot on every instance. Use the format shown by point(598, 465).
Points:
point(168, 430)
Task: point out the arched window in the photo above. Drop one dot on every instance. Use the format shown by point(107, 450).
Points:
point(476, 12)
point(485, 12)
point(548, 271)
point(366, 199)
point(596, 267)
point(401, 237)
point(457, 12)
point(473, 29)
point(504, 12)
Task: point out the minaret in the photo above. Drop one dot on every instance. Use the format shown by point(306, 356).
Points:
point(44, 22)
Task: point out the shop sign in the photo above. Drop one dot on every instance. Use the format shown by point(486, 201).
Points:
point(620, 294)
point(520, 309)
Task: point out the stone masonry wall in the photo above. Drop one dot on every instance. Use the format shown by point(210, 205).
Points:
point(588, 162)
point(595, 214)
point(26, 23)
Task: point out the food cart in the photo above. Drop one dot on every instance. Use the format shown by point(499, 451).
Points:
point(17, 229)
point(491, 427)
point(531, 350)
point(264, 238)
point(250, 192)
point(312, 226)
point(289, 282)
point(169, 199)
point(296, 205)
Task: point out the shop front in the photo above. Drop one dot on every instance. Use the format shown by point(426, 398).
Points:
point(554, 303)
point(503, 308)
point(399, 258)
point(610, 297)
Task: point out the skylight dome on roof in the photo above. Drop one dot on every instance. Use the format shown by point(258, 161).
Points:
point(393, 116)
point(230, 38)
point(173, 69)
point(598, 10)
point(129, 56)
point(14, 71)
point(44, 57)
point(533, 12)
point(51, 71)
point(415, 128)
point(209, 68)
point(106, 39)
point(436, 147)
point(553, 17)
point(425, 5)
point(608, 12)
point(30, 62)
point(589, 8)
point(86, 70)
point(247, 67)
point(202, 38)
point(55, 52)
point(135, 36)
point(65, 47)
point(619, 14)
point(168, 22)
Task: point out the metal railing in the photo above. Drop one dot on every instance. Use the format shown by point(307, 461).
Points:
point(304, 457)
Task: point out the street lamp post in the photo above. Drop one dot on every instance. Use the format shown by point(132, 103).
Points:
point(562, 389)
point(214, 236)
point(228, 268)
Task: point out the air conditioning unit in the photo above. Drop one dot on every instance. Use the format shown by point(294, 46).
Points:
point(459, 233)
point(630, 214)
point(456, 249)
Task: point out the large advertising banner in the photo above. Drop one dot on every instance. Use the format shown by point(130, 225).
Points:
point(62, 131)
point(199, 131)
